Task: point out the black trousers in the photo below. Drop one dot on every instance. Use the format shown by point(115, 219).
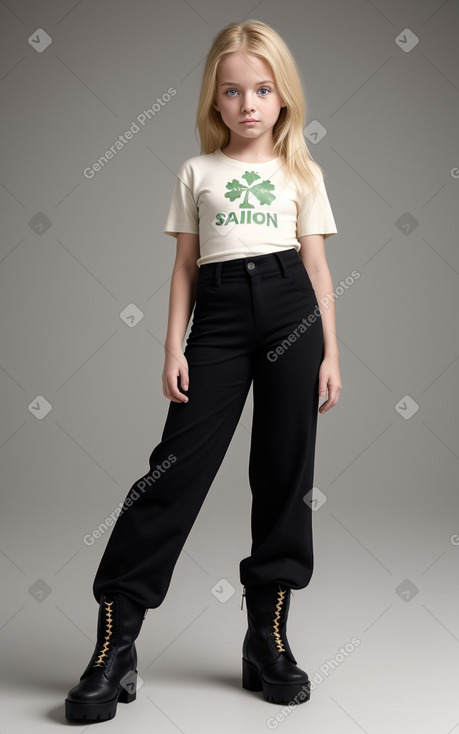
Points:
point(256, 320)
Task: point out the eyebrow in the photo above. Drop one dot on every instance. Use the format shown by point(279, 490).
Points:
point(233, 84)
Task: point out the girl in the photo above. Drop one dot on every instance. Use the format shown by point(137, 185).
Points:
point(250, 215)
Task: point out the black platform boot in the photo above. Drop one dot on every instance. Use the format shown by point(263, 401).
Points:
point(268, 663)
point(111, 674)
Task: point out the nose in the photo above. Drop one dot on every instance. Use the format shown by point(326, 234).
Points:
point(247, 103)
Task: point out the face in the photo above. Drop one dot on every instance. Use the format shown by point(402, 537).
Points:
point(246, 90)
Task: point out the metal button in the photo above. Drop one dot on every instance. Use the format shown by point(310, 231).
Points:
point(250, 266)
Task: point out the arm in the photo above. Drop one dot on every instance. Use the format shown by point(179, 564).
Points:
point(313, 255)
point(182, 298)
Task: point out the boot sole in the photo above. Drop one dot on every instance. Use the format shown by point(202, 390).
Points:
point(283, 693)
point(80, 711)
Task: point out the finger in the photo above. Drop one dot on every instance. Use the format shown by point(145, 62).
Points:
point(333, 394)
point(177, 396)
point(172, 392)
point(184, 378)
point(180, 399)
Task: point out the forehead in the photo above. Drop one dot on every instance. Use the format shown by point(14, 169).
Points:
point(240, 66)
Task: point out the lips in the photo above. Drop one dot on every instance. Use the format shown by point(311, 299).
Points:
point(244, 121)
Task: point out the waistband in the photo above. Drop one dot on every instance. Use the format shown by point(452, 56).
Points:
point(253, 265)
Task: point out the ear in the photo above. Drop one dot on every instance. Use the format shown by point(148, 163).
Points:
point(215, 106)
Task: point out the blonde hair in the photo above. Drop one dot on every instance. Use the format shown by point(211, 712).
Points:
point(256, 38)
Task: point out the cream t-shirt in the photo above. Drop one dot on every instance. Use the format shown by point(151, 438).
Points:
point(242, 209)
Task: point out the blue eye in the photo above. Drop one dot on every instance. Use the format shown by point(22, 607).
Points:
point(235, 90)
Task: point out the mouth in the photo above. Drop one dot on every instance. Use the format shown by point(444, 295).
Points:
point(244, 122)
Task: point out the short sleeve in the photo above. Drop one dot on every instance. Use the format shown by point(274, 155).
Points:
point(315, 214)
point(183, 212)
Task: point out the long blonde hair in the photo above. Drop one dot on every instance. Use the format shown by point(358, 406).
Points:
point(256, 38)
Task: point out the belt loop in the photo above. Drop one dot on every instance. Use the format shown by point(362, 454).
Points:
point(282, 264)
point(217, 273)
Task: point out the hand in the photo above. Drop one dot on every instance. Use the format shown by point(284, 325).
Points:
point(175, 365)
point(329, 378)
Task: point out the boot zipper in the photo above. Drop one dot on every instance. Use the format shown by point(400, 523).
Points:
point(243, 594)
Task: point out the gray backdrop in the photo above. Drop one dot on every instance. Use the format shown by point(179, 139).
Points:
point(85, 273)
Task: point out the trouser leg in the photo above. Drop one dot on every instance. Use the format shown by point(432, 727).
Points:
point(149, 534)
point(285, 412)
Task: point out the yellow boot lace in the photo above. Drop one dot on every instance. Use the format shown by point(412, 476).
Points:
point(277, 636)
point(100, 662)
